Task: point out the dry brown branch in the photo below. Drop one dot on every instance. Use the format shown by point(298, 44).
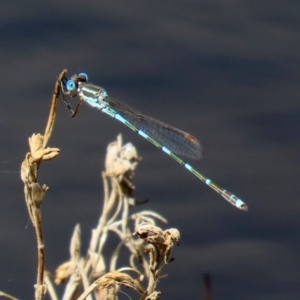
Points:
point(34, 192)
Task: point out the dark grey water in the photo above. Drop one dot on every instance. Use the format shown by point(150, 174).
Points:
point(225, 71)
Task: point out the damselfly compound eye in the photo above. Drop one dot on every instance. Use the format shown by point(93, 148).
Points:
point(71, 86)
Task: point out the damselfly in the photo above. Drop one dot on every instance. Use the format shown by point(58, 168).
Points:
point(168, 138)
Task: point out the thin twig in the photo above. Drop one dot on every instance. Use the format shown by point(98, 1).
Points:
point(52, 113)
point(9, 297)
point(34, 193)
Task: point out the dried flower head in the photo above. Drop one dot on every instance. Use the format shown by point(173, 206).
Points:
point(121, 160)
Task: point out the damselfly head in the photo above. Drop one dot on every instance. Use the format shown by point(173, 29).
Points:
point(70, 89)
point(82, 77)
point(72, 84)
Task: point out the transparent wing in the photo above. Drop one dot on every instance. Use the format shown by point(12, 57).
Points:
point(174, 139)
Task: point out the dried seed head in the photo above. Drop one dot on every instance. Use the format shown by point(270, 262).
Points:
point(37, 193)
point(128, 152)
point(64, 271)
point(149, 233)
point(110, 279)
point(36, 143)
point(51, 153)
point(120, 160)
point(75, 243)
point(26, 175)
point(45, 154)
point(174, 234)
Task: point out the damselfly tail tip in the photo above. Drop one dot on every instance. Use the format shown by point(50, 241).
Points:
point(232, 199)
point(243, 207)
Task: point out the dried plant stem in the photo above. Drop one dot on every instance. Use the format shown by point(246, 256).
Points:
point(152, 276)
point(149, 254)
point(52, 113)
point(34, 193)
point(4, 295)
point(50, 288)
point(40, 287)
